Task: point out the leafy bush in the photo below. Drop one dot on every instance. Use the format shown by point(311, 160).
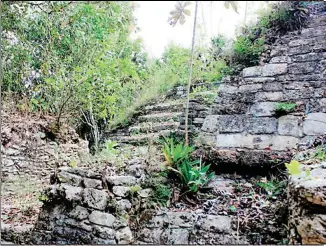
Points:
point(279, 19)
point(247, 51)
point(73, 57)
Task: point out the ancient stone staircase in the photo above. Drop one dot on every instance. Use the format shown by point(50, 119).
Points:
point(159, 119)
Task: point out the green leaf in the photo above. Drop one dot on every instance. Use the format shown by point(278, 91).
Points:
point(233, 208)
point(293, 167)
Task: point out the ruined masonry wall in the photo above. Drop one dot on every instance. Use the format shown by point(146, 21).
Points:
point(243, 115)
point(28, 152)
point(94, 208)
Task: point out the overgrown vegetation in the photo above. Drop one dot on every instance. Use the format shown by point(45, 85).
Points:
point(193, 174)
point(75, 60)
point(245, 51)
point(284, 108)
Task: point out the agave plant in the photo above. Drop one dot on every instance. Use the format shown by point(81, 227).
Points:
point(193, 174)
point(175, 153)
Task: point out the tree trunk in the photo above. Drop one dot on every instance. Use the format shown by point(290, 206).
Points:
point(189, 76)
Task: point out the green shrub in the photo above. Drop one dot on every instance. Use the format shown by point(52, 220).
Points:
point(284, 108)
point(162, 194)
point(246, 51)
point(194, 174)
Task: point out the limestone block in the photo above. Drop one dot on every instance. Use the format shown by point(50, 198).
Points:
point(250, 87)
point(280, 59)
point(214, 223)
point(210, 123)
point(275, 86)
point(269, 96)
point(259, 80)
point(255, 141)
point(95, 198)
point(104, 232)
point(307, 200)
point(124, 236)
point(270, 70)
point(223, 88)
point(315, 124)
point(121, 191)
point(306, 57)
point(262, 125)
point(252, 71)
point(103, 219)
point(302, 67)
point(232, 123)
point(72, 193)
point(92, 183)
point(176, 236)
point(289, 125)
point(121, 180)
point(263, 109)
point(79, 213)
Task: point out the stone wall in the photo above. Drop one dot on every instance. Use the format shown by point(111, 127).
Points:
point(307, 198)
point(89, 207)
point(29, 150)
point(243, 116)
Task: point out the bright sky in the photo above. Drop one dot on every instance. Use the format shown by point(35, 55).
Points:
point(213, 18)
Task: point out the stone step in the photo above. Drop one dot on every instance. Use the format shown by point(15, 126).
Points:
point(173, 106)
point(147, 127)
point(161, 117)
point(141, 138)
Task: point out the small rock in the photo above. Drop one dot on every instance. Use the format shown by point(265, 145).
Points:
point(124, 236)
point(121, 180)
point(124, 204)
point(79, 213)
point(95, 198)
point(121, 191)
point(100, 218)
point(145, 193)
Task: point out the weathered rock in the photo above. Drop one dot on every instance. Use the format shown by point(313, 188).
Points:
point(124, 236)
point(210, 123)
point(314, 124)
point(262, 125)
point(144, 193)
point(92, 183)
point(302, 68)
point(255, 141)
point(289, 125)
point(307, 199)
point(97, 199)
point(263, 109)
point(271, 70)
point(217, 224)
point(124, 204)
point(103, 219)
point(121, 180)
point(79, 213)
point(231, 123)
point(269, 96)
point(252, 72)
point(104, 232)
point(121, 191)
point(72, 193)
point(176, 236)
